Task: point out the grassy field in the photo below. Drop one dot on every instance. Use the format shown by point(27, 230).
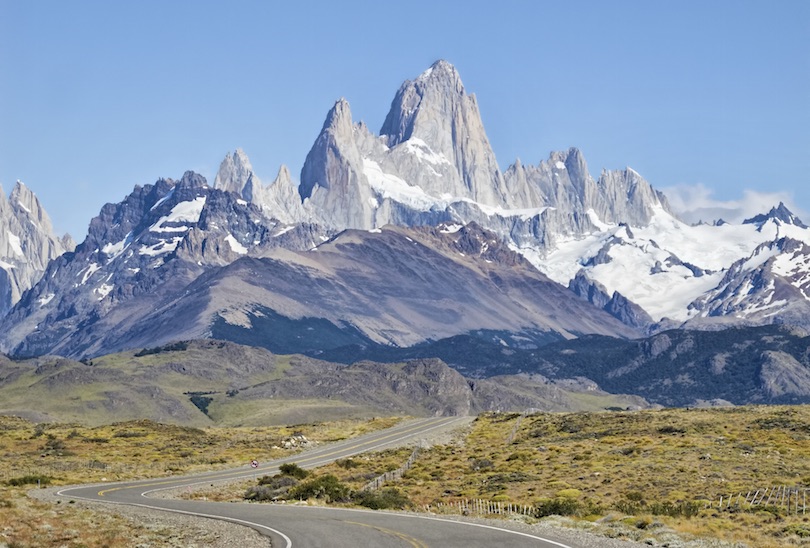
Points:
point(63, 454)
point(645, 475)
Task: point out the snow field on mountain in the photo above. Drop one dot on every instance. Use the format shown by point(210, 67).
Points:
point(397, 189)
point(643, 261)
point(184, 212)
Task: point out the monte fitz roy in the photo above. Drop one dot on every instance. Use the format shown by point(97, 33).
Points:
point(392, 244)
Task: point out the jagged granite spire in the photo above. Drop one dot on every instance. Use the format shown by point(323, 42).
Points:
point(279, 200)
point(332, 179)
point(27, 243)
point(235, 172)
point(435, 110)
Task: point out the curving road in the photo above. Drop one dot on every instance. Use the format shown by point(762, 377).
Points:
point(305, 526)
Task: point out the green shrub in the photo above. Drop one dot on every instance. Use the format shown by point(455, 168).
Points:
point(292, 469)
point(270, 487)
point(557, 507)
point(29, 480)
point(387, 499)
point(326, 487)
point(800, 530)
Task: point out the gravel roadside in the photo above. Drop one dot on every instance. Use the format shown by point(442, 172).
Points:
point(168, 530)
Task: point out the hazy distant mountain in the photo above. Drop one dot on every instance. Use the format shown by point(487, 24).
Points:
point(27, 243)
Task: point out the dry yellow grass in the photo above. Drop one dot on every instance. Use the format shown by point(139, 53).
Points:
point(60, 454)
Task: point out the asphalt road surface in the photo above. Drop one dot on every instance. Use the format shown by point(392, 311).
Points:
point(307, 526)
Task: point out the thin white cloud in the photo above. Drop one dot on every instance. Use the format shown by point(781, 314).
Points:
point(694, 203)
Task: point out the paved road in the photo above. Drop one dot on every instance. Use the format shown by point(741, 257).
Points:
point(305, 526)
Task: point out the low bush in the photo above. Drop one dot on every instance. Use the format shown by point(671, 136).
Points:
point(293, 470)
point(326, 487)
point(31, 479)
point(387, 499)
point(558, 507)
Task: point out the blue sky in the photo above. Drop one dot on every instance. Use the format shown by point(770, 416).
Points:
point(710, 101)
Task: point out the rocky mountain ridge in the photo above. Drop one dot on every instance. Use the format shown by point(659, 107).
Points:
point(432, 164)
point(250, 386)
point(355, 248)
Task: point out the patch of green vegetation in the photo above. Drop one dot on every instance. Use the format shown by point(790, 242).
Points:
point(179, 346)
point(386, 499)
point(31, 479)
point(293, 470)
point(327, 487)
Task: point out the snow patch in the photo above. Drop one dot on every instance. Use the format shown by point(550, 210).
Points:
point(166, 197)
point(103, 290)
point(22, 205)
point(392, 187)
point(46, 299)
point(163, 246)
point(92, 269)
point(14, 242)
point(284, 230)
point(652, 253)
point(559, 165)
point(451, 229)
point(235, 245)
point(423, 152)
point(114, 250)
point(184, 212)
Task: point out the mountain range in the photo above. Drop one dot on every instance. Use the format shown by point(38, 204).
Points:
point(398, 239)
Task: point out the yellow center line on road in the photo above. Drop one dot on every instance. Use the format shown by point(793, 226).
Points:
point(312, 459)
point(414, 542)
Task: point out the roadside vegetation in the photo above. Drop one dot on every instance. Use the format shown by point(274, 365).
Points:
point(654, 476)
point(40, 455)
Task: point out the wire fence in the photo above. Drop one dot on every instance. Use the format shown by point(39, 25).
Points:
point(791, 499)
point(479, 507)
point(393, 475)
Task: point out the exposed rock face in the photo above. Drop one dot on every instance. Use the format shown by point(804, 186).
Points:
point(279, 200)
point(27, 244)
point(779, 213)
point(439, 123)
point(332, 179)
point(179, 260)
point(433, 163)
point(235, 172)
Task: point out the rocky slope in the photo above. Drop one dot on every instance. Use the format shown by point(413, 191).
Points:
point(137, 255)
point(215, 382)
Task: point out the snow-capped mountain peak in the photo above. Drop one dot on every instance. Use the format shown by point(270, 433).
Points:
point(779, 214)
